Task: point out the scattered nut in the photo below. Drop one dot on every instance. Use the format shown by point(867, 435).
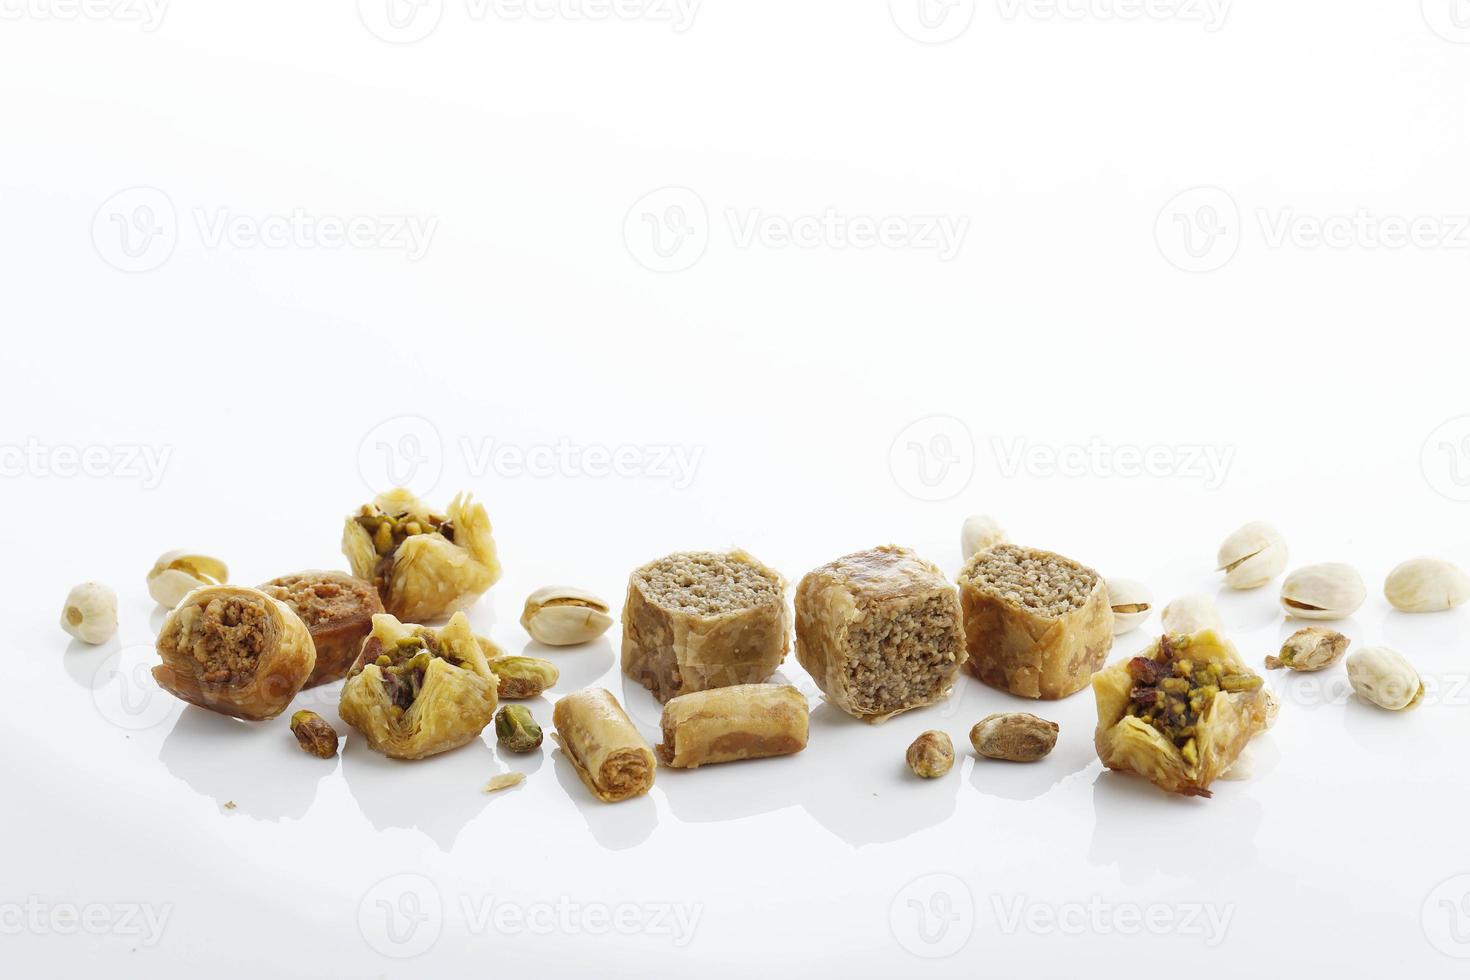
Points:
point(1252, 556)
point(90, 613)
point(1132, 604)
point(1426, 585)
point(1330, 591)
point(523, 677)
point(931, 755)
point(1308, 649)
point(1014, 736)
point(504, 781)
point(516, 729)
point(1191, 614)
point(314, 734)
point(1385, 678)
point(562, 615)
point(980, 533)
point(177, 573)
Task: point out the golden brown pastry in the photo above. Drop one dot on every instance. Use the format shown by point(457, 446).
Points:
point(1181, 713)
point(747, 721)
point(609, 755)
point(417, 691)
point(338, 611)
point(234, 650)
point(425, 565)
point(880, 632)
point(699, 620)
point(1036, 624)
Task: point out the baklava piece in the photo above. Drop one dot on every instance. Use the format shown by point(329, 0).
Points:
point(234, 650)
point(880, 632)
point(1181, 713)
point(608, 754)
point(699, 620)
point(748, 721)
point(1036, 624)
point(424, 565)
point(338, 611)
point(416, 691)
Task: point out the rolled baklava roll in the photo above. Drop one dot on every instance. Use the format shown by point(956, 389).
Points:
point(338, 611)
point(748, 721)
point(425, 565)
point(234, 650)
point(416, 691)
point(609, 755)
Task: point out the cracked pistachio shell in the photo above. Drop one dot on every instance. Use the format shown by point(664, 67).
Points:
point(1132, 604)
point(1426, 585)
point(563, 615)
point(1330, 591)
point(1252, 556)
point(177, 573)
point(980, 533)
point(1383, 677)
point(1191, 614)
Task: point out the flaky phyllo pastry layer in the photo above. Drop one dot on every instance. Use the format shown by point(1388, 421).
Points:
point(234, 650)
point(608, 754)
point(1181, 713)
point(417, 691)
point(425, 565)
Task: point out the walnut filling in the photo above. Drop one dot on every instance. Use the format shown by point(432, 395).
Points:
point(707, 584)
point(903, 657)
point(1045, 584)
point(226, 638)
point(389, 530)
point(1171, 693)
point(320, 599)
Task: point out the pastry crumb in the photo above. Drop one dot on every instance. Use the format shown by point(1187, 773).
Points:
point(505, 781)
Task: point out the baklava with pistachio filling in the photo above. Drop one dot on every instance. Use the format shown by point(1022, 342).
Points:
point(425, 565)
point(1181, 713)
point(417, 691)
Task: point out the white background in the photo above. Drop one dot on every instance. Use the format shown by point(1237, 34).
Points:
point(1299, 321)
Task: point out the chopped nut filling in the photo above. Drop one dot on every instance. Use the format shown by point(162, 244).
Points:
point(226, 638)
point(390, 530)
point(405, 664)
point(1170, 693)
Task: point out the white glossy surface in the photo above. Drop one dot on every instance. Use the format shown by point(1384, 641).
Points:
point(801, 380)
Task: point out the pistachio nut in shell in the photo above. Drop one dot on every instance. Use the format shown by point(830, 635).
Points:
point(1328, 591)
point(177, 573)
point(1191, 614)
point(1132, 604)
point(979, 533)
point(564, 615)
point(1426, 585)
point(1383, 677)
point(1252, 556)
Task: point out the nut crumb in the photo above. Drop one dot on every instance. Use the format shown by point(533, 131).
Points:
point(230, 805)
point(505, 781)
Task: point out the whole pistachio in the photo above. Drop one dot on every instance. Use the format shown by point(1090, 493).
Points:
point(931, 755)
point(1426, 585)
point(1383, 677)
point(1329, 591)
point(1191, 614)
point(516, 729)
point(90, 613)
point(1252, 556)
point(1014, 736)
point(979, 533)
point(314, 734)
point(1132, 604)
point(563, 615)
point(177, 573)
point(1313, 648)
point(524, 677)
